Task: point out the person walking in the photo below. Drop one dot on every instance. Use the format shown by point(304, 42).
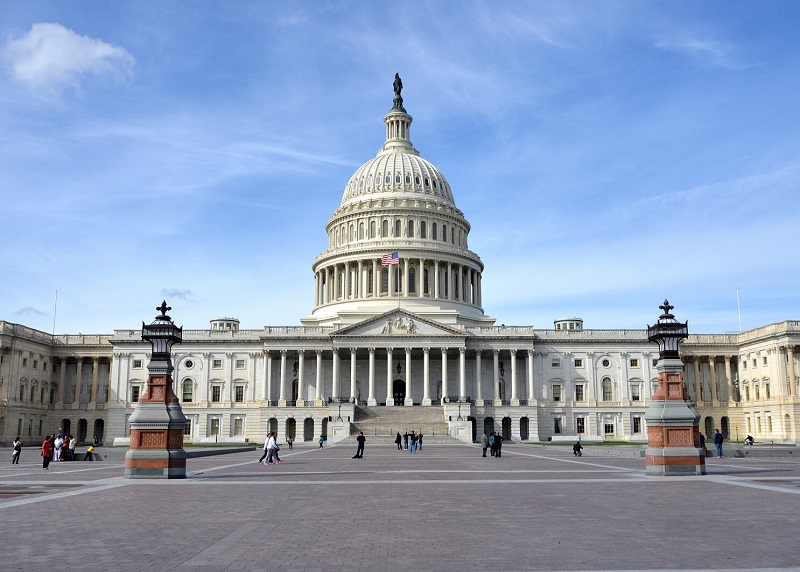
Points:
point(65, 449)
point(16, 448)
point(321, 441)
point(412, 442)
point(89, 456)
point(419, 441)
point(57, 445)
point(576, 449)
point(405, 440)
point(491, 444)
point(289, 442)
point(266, 452)
point(498, 446)
point(484, 443)
point(47, 452)
point(718, 439)
point(360, 450)
point(272, 449)
point(399, 441)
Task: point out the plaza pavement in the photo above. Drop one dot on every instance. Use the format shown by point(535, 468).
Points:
point(443, 508)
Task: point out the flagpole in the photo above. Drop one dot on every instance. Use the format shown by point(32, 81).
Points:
point(398, 281)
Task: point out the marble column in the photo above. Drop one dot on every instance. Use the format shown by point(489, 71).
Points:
point(436, 279)
point(389, 395)
point(335, 381)
point(318, 380)
point(426, 376)
point(478, 392)
point(444, 372)
point(95, 367)
point(514, 394)
point(409, 400)
point(792, 375)
point(698, 382)
point(76, 397)
point(530, 378)
point(268, 382)
point(62, 379)
point(496, 376)
point(371, 401)
point(353, 387)
point(728, 379)
point(462, 373)
point(712, 364)
point(405, 277)
point(301, 398)
point(282, 387)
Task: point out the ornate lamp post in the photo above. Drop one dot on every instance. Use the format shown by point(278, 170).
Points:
point(673, 436)
point(156, 449)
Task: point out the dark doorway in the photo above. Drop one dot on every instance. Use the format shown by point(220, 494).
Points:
point(473, 427)
point(506, 428)
point(308, 429)
point(725, 427)
point(66, 427)
point(272, 425)
point(709, 427)
point(291, 428)
point(524, 431)
point(399, 391)
point(83, 427)
point(488, 425)
point(325, 428)
point(99, 430)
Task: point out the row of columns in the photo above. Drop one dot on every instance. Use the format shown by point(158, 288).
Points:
point(353, 279)
point(62, 377)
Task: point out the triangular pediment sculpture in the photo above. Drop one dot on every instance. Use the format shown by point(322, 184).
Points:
point(399, 323)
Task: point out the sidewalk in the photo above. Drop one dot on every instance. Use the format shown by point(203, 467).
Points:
point(442, 508)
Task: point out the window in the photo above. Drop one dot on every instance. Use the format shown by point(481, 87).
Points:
point(747, 393)
point(410, 229)
point(637, 424)
point(634, 362)
point(24, 362)
point(135, 390)
point(444, 232)
point(187, 428)
point(423, 230)
point(556, 392)
point(44, 366)
point(608, 393)
point(578, 363)
point(744, 364)
point(557, 425)
point(188, 364)
point(216, 364)
point(635, 392)
point(216, 393)
point(214, 426)
point(606, 363)
point(579, 394)
point(766, 391)
point(555, 363)
point(137, 364)
point(238, 426)
point(397, 227)
point(608, 427)
point(764, 362)
point(238, 394)
point(239, 364)
point(187, 391)
point(36, 363)
point(755, 362)
point(580, 425)
point(756, 391)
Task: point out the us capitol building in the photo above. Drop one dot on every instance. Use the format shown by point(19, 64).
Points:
point(398, 343)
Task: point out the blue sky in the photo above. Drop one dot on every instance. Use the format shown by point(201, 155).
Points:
point(607, 154)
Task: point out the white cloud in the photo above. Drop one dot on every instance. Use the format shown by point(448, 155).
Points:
point(29, 311)
point(50, 58)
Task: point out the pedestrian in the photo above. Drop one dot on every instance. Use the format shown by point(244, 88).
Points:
point(718, 439)
point(65, 449)
point(360, 450)
point(47, 452)
point(71, 449)
point(491, 444)
point(289, 442)
point(272, 449)
point(321, 441)
point(16, 451)
point(95, 441)
point(57, 444)
point(576, 449)
point(266, 452)
point(498, 446)
point(419, 441)
point(484, 443)
point(399, 441)
point(405, 440)
point(412, 442)
point(89, 456)
point(703, 445)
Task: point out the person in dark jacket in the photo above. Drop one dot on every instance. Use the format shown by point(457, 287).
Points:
point(576, 449)
point(399, 441)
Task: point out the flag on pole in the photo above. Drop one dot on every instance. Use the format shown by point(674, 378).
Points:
point(391, 259)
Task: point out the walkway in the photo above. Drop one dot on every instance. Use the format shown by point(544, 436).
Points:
point(443, 508)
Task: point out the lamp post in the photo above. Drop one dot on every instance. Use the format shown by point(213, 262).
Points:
point(157, 423)
point(673, 435)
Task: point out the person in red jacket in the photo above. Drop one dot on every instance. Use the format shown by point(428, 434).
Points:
point(47, 452)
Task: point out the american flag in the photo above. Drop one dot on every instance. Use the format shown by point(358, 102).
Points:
point(391, 259)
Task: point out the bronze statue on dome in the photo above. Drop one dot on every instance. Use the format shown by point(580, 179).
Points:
point(398, 84)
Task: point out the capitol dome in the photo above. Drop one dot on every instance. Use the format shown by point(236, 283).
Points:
point(397, 202)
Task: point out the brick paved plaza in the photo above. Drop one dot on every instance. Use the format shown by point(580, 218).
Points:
point(443, 508)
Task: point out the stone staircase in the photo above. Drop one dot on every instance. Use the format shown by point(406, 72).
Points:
point(383, 423)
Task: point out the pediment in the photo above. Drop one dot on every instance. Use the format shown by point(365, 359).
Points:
point(399, 324)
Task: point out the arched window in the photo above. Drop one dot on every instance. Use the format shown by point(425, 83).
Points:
point(408, 179)
point(385, 228)
point(361, 233)
point(423, 230)
point(187, 390)
point(385, 280)
point(372, 228)
point(33, 393)
point(433, 230)
point(397, 178)
point(412, 279)
point(425, 282)
point(453, 235)
point(352, 232)
point(410, 229)
point(43, 395)
point(608, 389)
point(444, 232)
point(397, 228)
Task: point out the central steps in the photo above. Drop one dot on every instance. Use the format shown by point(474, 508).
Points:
point(388, 421)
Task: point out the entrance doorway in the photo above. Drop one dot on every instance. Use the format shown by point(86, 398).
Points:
point(488, 425)
point(83, 427)
point(308, 429)
point(506, 428)
point(709, 427)
point(99, 430)
point(399, 391)
point(291, 428)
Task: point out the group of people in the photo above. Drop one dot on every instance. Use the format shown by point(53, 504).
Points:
point(408, 441)
point(55, 448)
point(271, 449)
point(494, 443)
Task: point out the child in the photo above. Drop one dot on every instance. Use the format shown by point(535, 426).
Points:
point(89, 456)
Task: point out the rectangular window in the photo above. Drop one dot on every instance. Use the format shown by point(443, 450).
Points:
point(216, 393)
point(557, 425)
point(239, 364)
point(187, 428)
point(578, 363)
point(556, 393)
point(135, 390)
point(137, 364)
point(24, 362)
point(744, 364)
point(608, 427)
point(579, 395)
point(556, 363)
point(214, 427)
point(44, 366)
point(41, 421)
point(187, 391)
point(764, 362)
point(766, 391)
point(216, 364)
point(637, 424)
point(238, 426)
point(755, 362)
point(36, 363)
point(238, 394)
point(634, 362)
point(635, 392)
point(580, 425)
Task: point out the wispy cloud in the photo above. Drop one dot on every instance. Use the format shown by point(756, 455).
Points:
point(51, 58)
point(177, 293)
point(28, 312)
point(706, 50)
